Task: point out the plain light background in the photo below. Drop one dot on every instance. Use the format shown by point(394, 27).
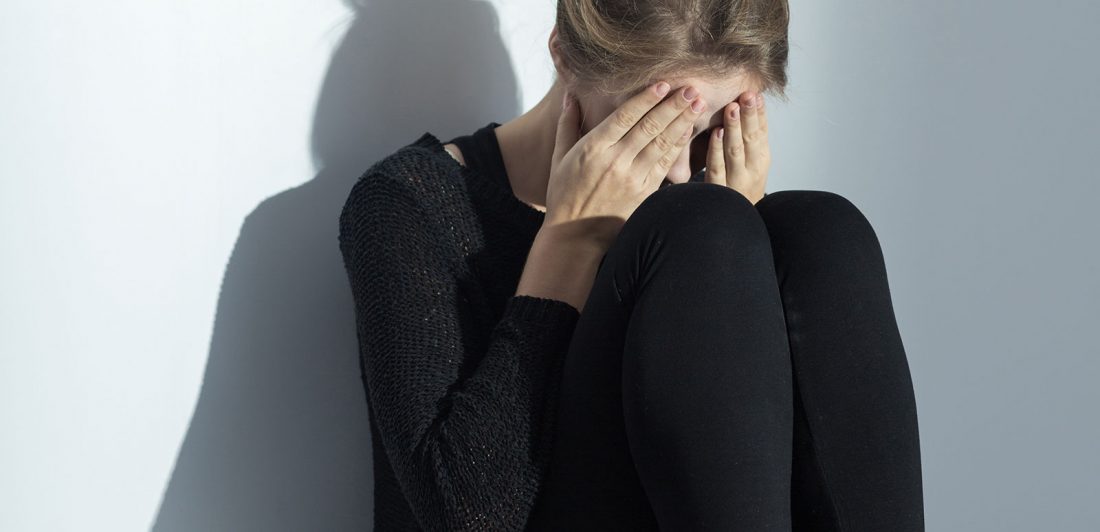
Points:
point(177, 348)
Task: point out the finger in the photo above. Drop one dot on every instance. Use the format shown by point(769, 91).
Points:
point(750, 123)
point(659, 169)
point(734, 146)
point(568, 128)
point(670, 138)
point(762, 112)
point(634, 124)
point(758, 152)
point(716, 161)
point(611, 129)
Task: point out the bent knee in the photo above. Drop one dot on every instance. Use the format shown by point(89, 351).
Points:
point(697, 205)
point(816, 218)
point(700, 217)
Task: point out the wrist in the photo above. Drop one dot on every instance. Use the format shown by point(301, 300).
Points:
point(569, 240)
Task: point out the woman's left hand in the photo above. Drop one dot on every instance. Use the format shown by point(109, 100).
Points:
point(740, 158)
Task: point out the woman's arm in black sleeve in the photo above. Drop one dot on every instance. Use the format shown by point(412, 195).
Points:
point(469, 447)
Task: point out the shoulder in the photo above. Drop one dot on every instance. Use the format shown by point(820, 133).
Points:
point(400, 187)
point(417, 166)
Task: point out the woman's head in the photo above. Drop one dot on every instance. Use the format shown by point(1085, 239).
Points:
point(608, 50)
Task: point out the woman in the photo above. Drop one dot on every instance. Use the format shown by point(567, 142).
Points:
point(560, 331)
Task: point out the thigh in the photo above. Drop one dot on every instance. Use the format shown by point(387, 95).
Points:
point(591, 483)
point(685, 246)
point(857, 459)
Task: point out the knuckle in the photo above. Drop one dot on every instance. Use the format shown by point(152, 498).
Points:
point(618, 169)
point(662, 143)
point(649, 126)
point(625, 119)
point(610, 172)
point(588, 152)
point(668, 158)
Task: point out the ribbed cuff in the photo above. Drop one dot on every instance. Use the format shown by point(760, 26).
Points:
point(540, 309)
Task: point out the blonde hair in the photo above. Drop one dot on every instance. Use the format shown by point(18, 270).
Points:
point(613, 47)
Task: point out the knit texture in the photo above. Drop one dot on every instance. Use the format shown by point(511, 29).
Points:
point(461, 375)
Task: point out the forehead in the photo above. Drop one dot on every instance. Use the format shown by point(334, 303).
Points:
point(716, 92)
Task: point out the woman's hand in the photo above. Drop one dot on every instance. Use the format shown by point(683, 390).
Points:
point(738, 155)
point(598, 180)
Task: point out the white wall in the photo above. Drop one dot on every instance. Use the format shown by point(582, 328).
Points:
point(176, 341)
point(135, 137)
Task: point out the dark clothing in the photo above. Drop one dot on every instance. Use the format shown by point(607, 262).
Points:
point(735, 367)
point(461, 375)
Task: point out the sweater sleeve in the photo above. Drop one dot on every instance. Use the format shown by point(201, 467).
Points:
point(468, 433)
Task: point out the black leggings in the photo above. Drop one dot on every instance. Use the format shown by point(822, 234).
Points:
point(737, 367)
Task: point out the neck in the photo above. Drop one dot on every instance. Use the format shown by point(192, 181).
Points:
point(527, 146)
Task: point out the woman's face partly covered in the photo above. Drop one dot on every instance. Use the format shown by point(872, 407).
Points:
point(718, 94)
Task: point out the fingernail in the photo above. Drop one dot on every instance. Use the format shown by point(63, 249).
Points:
point(690, 93)
point(721, 133)
point(734, 112)
point(697, 105)
point(750, 102)
point(662, 89)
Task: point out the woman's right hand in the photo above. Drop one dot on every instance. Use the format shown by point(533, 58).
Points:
point(596, 181)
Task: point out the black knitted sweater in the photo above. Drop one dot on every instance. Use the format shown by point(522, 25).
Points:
point(461, 374)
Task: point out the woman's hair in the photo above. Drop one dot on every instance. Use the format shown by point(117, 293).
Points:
point(618, 46)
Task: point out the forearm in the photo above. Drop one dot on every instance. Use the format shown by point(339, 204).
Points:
point(560, 267)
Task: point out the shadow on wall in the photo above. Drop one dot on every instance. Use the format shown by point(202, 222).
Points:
point(280, 438)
